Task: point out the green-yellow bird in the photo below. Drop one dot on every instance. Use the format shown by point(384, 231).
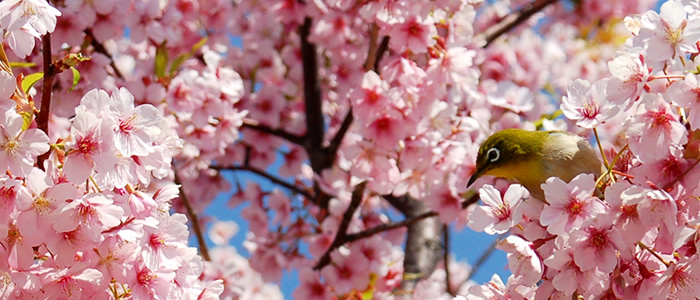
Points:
point(530, 157)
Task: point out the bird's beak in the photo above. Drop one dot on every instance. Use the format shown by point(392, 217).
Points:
point(474, 177)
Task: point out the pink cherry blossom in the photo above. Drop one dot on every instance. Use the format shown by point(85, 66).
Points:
point(150, 283)
point(347, 273)
point(136, 127)
point(630, 77)
point(253, 96)
point(680, 280)
point(15, 14)
point(669, 33)
point(222, 231)
point(597, 242)
point(499, 214)
point(91, 147)
point(372, 97)
point(19, 147)
point(387, 129)
point(624, 213)
point(447, 202)
point(655, 206)
point(96, 212)
point(311, 286)
point(571, 204)
point(7, 85)
point(522, 259)
point(141, 204)
point(685, 94)
point(588, 105)
point(655, 129)
point(72, 282)
point(415, 34)
point(569, 277)
point(511, 96)
point(162, 241)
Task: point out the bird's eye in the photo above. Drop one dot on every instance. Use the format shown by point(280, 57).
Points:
point(493, 154)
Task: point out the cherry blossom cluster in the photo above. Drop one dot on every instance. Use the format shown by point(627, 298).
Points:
point(94, 220)
point(633, 233)
point(401, 95)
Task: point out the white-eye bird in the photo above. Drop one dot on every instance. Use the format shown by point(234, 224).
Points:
point(530, 157)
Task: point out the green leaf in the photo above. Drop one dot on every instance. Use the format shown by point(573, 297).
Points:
point(26, 119)
point(30, 80)
point(22, 64)
point(76, 78)
point(183, 57)
point(177, 62)
point(161, 60)
point(4, 62)
point(73, 59)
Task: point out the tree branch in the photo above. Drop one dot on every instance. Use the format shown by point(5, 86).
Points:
point(194, 219)
point(340, 236)
point(372, 51)
point(42, 120)
point(255, 125)
point(403, 223)
point(383, 47)
point(388, 226)
point(270, 177)
point(338, 138)
point(315, 128)
point(513, 20)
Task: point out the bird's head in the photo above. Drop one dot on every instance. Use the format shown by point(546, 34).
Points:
point(509, 154)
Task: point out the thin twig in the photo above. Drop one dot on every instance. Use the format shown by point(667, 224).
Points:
point(513, 20)
point(403, 223)
point(484, 256)
point(42, 120)
point(270, 177)
point(99, 48)
point(388, 226)
point(645, 247)
point(339, 240)
point(446, 258)
point(670, 184)
point(600, 147)
point(255, 125)
point(194, 219)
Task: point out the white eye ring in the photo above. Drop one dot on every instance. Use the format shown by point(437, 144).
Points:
point(493, 154)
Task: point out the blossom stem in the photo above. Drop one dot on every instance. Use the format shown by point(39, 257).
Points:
point(610, 170)
point(653, 77)
point(95, 184)
point(194, 219)
point(602, 153)
point(645, 247)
